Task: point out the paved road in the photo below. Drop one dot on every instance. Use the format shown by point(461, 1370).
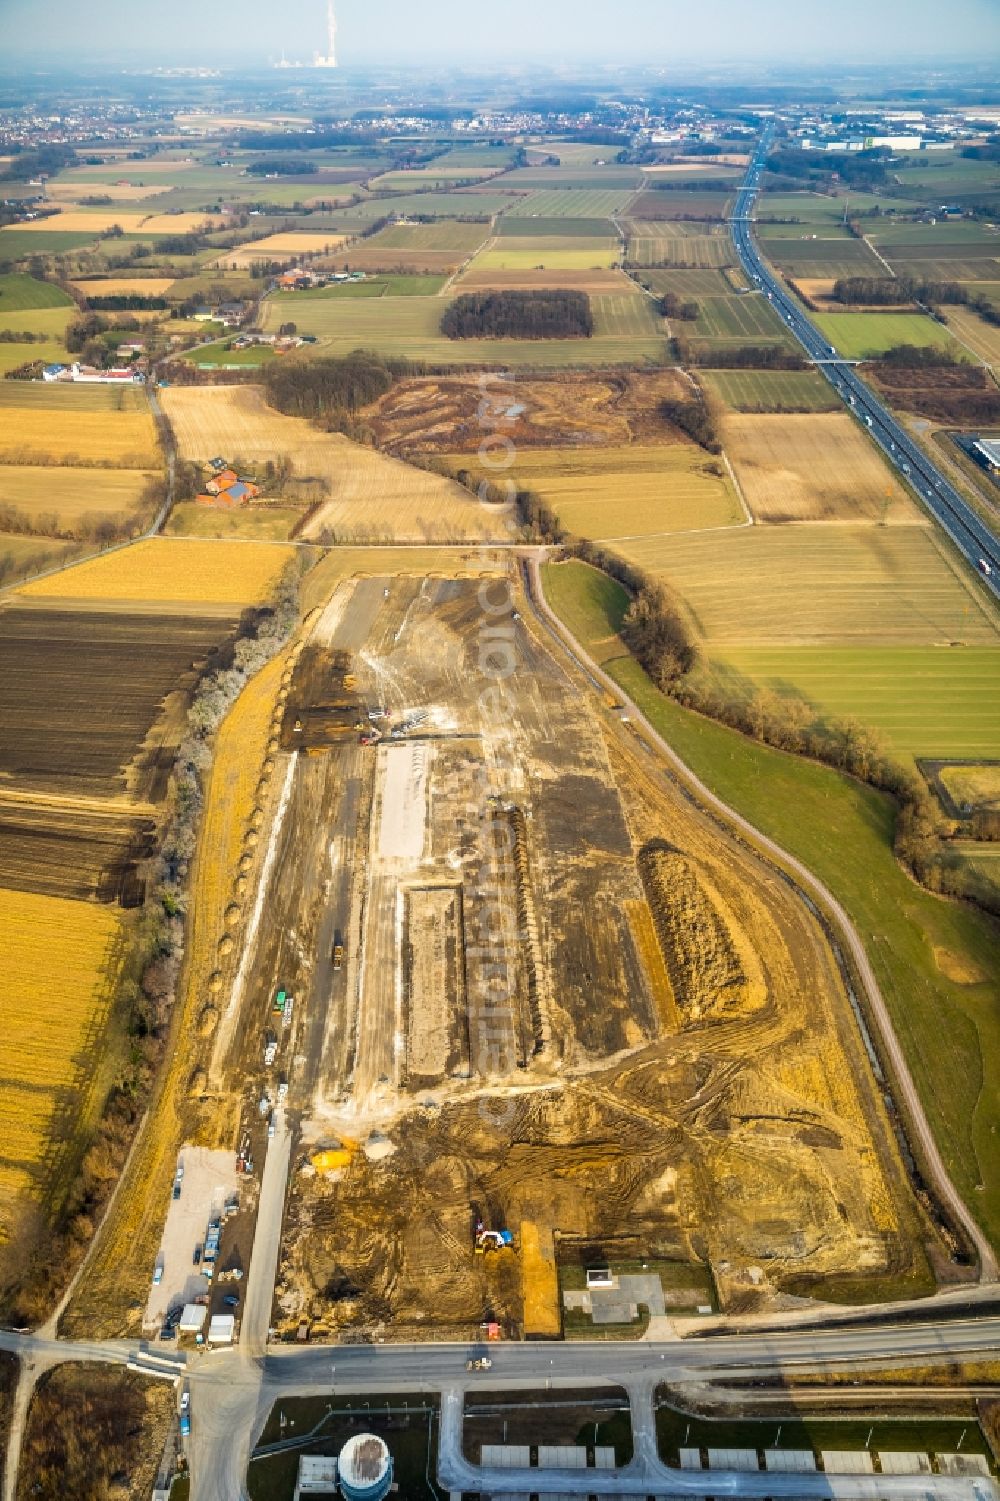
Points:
point(904, 1087)
point(970, 535)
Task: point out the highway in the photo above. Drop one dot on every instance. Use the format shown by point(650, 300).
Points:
point(971, 536)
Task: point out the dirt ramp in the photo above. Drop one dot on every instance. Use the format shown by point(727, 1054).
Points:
point(712, 970)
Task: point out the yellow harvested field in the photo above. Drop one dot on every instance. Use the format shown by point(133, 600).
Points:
point(598, 283)
point(639, 490)
point(180, 224)
point(66, 434)
point(372, 498)
point(70, 494)
point(282, 247)
point(812, 466)
point(60, 962)
point(124, 286)
point(176, 570)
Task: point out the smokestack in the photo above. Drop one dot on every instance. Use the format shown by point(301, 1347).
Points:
point(330, 60)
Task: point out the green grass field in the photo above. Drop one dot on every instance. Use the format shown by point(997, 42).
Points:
point(822, 585)
point(842, 831)
point(548, 253)
point(935, 702)
point(640, 490)
point(689, 285)
point(823, 208)
point(19, 244)
point(511, 226)
point(12, 356)
point(735, 319)
point(270, 524)
point(20, 294)
point(217, 355)
point(442, 234)
point(411, 327)
point(860, 335)
point(771, 390)
point(50, 321)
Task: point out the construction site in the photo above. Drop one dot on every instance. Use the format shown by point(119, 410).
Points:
point(525, 1006)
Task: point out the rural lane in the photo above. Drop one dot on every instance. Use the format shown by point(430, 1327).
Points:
point(932, 1160)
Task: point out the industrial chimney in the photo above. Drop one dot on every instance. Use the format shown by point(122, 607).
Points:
point(330, 60)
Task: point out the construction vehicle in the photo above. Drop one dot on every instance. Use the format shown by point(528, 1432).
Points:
point(492, 1240)
point(482, 1364)
point(338, 951)
point(280, 1001)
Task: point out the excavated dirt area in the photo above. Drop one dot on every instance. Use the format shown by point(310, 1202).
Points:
point(451, 414)
point(535, 985)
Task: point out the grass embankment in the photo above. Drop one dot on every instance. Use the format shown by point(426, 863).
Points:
point(933, 958)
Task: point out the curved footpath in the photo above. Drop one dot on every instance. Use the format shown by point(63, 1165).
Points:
point(932, 1161)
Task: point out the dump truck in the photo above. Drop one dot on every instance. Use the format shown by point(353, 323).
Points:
point(338, 951)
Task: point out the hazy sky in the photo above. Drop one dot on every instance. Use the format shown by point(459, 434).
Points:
point(527, 30)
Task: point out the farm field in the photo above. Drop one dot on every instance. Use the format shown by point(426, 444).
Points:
point(771, 390)
point(976, 334)
point(410, 326)
point(385, 285)
point(821, 585)
point(933, 702)
point(933, 959)
point(369, 256)
point(861, 335)
point(20, 294)
point(826, 258)
point(287, 246)
point(733, 319)
point(61, 960)
point(126, 286)
point(668, 199)
point(220, 576)
point(606, 493)
point(50, 321)
point(273, 523)
point(510, 226)
point(16, 244)
point(441, 234)
point(372, 497)
point(567, 202)
point(14, 355)
point(699, 252)
point(80, 691)
point(50, 423)
point(805, 467)
point(548, 254)
point(602, 283)
point(70, 494)
point(20, 555)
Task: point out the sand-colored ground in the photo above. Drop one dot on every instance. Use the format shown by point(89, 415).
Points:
point(372, 498)
point(124, 286)
point(805, 466)
point(288, 246)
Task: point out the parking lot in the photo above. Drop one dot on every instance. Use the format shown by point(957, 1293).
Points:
point(209, 1180)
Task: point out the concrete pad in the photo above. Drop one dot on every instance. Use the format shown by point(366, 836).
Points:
point(733, 1459)
point(904, 1462)
point(963, 1464)
point(562, 1457)
point(604, 1457)
point(847, 1462)
point(789, 1461)
point(210, 1178)
point(403, 827)
point(612, 1313)
point(644, 1287)
point(690, 1459)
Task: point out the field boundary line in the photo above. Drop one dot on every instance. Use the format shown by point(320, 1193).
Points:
point(738, 488)
point(834, 910)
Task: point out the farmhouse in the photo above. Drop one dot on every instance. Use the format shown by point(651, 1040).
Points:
point(225, 488)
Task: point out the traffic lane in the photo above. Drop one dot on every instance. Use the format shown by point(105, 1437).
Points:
point(437, 1365)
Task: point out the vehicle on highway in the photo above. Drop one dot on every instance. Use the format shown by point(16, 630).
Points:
point(158, 1274)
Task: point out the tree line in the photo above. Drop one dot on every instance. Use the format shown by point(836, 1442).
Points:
point(327, 390)
point(519, 315)
point(742, 357)
point(890, 291)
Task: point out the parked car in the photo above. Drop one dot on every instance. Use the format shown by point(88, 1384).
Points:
point(232, 1301)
